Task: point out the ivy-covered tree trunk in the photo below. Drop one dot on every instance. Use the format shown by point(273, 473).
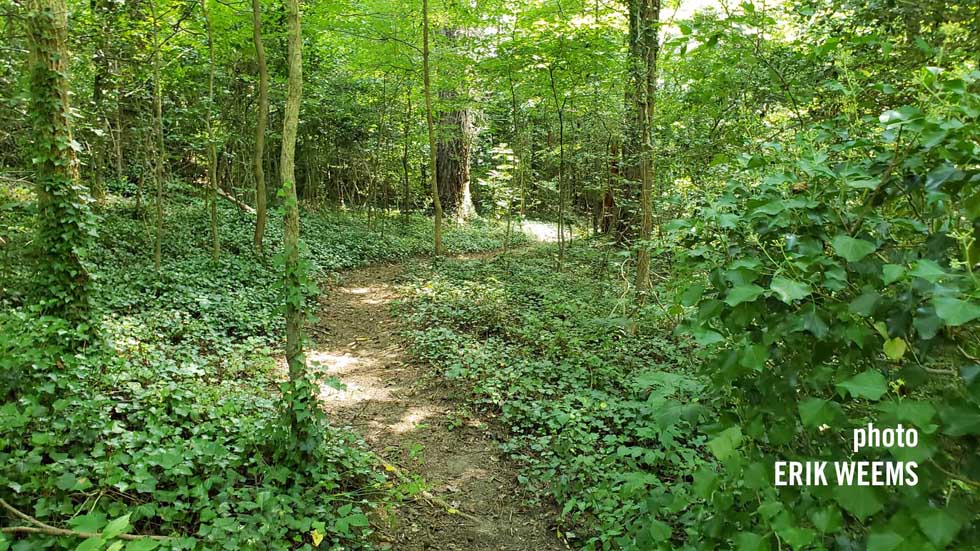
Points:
point(287, 170)
point(427, 86)
point(649, 21)
point(261, 214)
point(63, 216)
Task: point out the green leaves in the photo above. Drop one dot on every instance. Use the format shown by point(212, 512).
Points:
point(939, 526)
point(144, 544)
point(956, 312)
point(754, 357)
point(928, 270)
point(789, 290)
point(725, 444)
point(860, 501)
point(870, 384)
point(895, 348)
point(348, 518)
point(851, 249)
point(90, 544)
point(884, 541)
point(749, 541)
point(817, 411)
point(827, 519)
point(892, 273)
point(116, 527)
point(743, 293)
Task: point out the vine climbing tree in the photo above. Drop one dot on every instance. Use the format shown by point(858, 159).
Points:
point(64, 224)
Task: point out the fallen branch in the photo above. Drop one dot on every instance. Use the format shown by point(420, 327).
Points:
point(42, 528)
point(229, 197)
point(428, 496)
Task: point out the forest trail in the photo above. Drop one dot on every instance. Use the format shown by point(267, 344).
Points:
point(408, 418)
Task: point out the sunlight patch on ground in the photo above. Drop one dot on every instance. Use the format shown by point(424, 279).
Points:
point(412, 418)
point(364, 292)
point(331, 363)
point(340, 364)
point(546, 232)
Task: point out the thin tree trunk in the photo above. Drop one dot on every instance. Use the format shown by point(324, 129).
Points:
point(437, 229)
point(212, 147)
point(261, 214)
point(560, 108)
point(649, 18)
point(118, 133)
point(405, 182)
point(99, 60)
point(160, 153)
point(290, 124)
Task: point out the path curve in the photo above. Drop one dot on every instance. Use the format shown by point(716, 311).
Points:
point(408, 418)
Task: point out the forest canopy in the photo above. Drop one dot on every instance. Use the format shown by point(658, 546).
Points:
point(632, 257)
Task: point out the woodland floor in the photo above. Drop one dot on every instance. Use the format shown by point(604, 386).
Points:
point(408, 416)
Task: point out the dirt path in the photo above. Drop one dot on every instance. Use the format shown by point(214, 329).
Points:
point(407, 417)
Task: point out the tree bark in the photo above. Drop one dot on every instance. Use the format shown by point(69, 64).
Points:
point(437, 204)
point(406, 197)
point(261, 215)
point(560, 108)
point(453, 163)
point(287, 167)
point(160, 152)
point(62, 204)
point(649, 22)
point(101, 65)
point(212, 147)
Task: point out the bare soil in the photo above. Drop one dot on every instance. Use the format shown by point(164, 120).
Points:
point(409, 418)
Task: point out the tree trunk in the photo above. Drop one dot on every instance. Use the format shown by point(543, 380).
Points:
point(437, 204)
point(294, 280)
point(631, 146)
point(212, 147)
point(560, 108)
point(649, 22)
point(261, 199)
point(160, 152)
point(101, 64)
point(406, 197)
point(453, 163)
point(62, 205)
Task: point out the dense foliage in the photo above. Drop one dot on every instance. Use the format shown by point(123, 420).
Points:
point(775, 239)
point(604, 422)
point(171, 419)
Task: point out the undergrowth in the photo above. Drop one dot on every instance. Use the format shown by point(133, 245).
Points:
point(604, 423)
point(168, 423)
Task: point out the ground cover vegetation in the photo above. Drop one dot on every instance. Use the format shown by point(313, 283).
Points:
point(766, 232)
point(169, 417)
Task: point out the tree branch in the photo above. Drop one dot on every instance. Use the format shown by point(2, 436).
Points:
point(42, 528)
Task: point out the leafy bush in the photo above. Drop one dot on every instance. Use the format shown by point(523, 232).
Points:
point(839, 291)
